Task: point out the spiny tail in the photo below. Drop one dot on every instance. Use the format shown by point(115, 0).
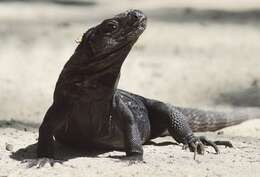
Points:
point(200, 121)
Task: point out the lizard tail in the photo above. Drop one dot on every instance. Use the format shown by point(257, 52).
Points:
point(200, 121)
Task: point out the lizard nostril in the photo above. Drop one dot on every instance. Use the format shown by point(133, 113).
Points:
point(135, 16)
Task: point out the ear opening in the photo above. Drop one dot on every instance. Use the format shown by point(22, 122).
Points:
point(87, 34)
point(84, 39)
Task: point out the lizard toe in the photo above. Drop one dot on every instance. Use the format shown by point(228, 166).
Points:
point(41, 162)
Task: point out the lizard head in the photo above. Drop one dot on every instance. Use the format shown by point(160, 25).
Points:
point(115, 33)
point(111, 40)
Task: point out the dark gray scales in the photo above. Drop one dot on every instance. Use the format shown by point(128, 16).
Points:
point(89, 111)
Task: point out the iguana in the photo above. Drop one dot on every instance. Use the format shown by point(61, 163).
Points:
point(89, 111)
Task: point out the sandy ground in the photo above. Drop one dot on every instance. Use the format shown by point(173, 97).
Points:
point(165, 158)
point(196, 54)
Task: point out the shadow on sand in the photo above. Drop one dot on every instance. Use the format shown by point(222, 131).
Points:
point(62, 152)
point(249, 97)
point(18, 125)
point(65, 153)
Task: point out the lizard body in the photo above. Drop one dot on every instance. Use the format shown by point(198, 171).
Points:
point(89, 110)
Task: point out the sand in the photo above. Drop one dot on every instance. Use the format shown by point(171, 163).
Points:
point(195, 54)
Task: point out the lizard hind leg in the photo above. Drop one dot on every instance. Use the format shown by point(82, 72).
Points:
point(178, 127)
point(180, 130)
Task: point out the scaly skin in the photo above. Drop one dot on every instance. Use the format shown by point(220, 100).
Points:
point(89, 111)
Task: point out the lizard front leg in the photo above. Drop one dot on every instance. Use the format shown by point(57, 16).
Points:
point(132, 138)
point(54, 117)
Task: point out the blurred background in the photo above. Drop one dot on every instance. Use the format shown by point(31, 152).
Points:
point(199, 53)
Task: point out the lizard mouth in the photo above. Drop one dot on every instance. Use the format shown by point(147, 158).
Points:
point(141, 24)
point(136, 20)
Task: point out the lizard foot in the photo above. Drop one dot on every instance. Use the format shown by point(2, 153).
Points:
point(41, 162)
point(196, 145)
point(214, 144)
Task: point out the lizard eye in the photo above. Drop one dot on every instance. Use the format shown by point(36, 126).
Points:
point(110, 26)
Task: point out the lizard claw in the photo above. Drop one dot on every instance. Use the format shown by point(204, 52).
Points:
point(41, 162)
point(197, 144)
point(207, 142)
point(214, 144)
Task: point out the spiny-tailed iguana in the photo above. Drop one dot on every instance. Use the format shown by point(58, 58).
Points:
point(89, 111)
